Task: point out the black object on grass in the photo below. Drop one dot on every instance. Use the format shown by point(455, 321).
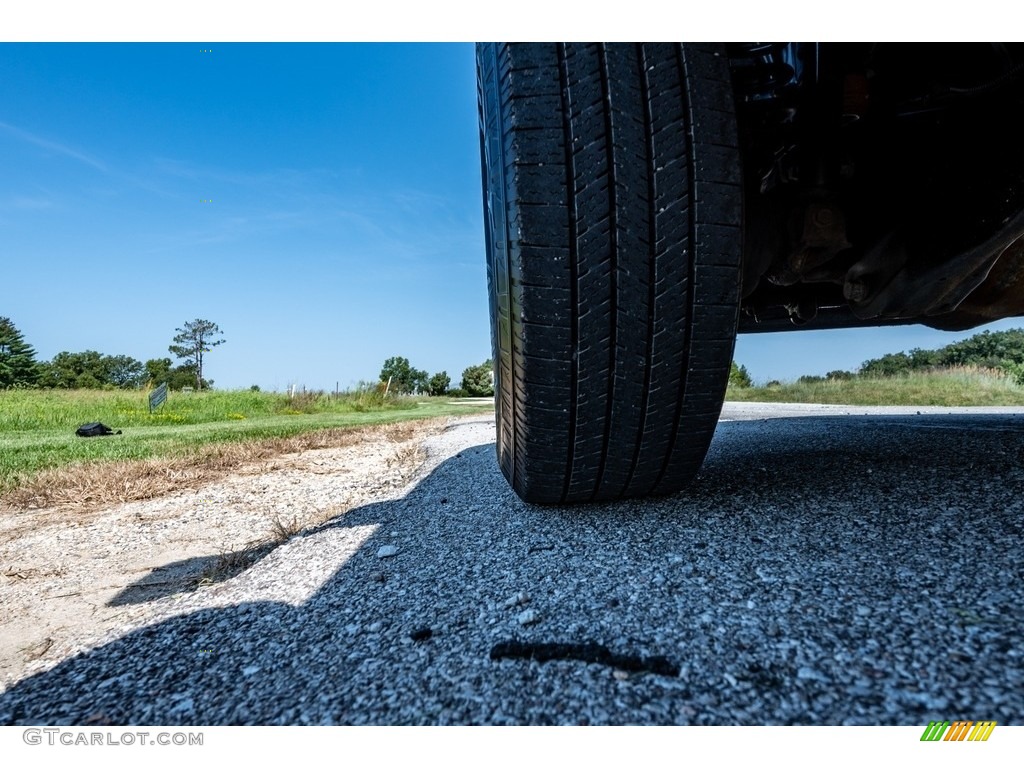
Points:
point(95, 429)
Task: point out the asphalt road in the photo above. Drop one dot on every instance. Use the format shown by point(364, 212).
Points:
point(828, 566)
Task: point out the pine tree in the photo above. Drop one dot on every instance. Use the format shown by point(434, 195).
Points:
point(17, 359)
point(193, 342)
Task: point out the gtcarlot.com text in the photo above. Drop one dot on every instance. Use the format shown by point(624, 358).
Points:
point(76, 738)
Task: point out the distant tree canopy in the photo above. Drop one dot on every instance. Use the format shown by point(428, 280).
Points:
point(94, 370)
point(124, 372)
point(738, 376)
point(74, 370)
point(403, 377)
point(91, 370)
point(438, 384)
point(839, 375)
point(989, 349)
point(160, 371)
point(18, 367)
point(892, 364)
point(999, 350)
point(478, 380)
point(986, 349)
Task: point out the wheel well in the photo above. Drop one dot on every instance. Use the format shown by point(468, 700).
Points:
point(883, 183)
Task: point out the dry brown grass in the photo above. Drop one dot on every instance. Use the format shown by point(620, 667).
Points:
point(284, 529)
point(406, 458)
point(230, 564)
point(89, 486)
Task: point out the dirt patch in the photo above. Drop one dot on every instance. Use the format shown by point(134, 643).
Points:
point(72, 572)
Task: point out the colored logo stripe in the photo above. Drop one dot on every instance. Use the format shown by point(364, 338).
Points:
point(982, 731)
point(959, 730)
point(934, 730)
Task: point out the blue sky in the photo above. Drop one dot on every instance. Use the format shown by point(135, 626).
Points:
point(320, 202)
point(344, 225)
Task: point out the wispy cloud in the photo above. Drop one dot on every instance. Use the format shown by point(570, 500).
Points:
point(285, 180)
point(326, 211)
point(53, 146)
point(27, 203)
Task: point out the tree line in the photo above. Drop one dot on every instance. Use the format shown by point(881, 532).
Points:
point(1000, 350)
point(93, 370)
point(399, 376)
point(997, 350)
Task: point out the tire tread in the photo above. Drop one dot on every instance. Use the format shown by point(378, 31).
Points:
point(612, 198)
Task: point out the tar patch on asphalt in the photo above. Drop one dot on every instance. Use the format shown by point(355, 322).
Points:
point(591, 653)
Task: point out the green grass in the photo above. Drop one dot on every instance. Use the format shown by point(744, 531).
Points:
point(944, 387)
point(37, 427)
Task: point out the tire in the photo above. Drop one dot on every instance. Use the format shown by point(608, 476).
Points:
point(613, 203)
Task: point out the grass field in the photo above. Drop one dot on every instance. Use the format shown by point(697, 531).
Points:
point(37, 427)
point(950, 387)
point(197, 435)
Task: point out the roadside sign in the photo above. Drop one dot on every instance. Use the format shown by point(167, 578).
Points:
point(157, 396)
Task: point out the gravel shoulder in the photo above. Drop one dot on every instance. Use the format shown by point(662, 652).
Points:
point(70, 576)
point(831, 566)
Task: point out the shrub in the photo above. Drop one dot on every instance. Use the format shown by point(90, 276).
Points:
point(478, 380)
point(403, 377)
point(438, 384)
point(302, 402)
point(839, 375)
point(738, 376)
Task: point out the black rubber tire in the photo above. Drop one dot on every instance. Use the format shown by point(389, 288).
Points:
point(613, 203)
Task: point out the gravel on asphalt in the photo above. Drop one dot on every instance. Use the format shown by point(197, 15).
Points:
point(830, 566)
